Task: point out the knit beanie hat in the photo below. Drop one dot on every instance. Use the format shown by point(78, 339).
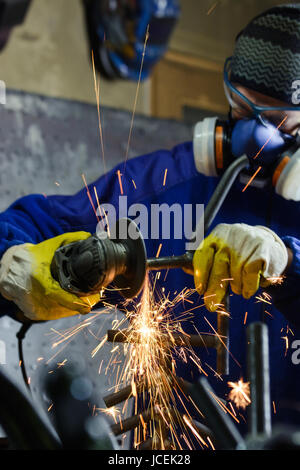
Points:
point(267, 53)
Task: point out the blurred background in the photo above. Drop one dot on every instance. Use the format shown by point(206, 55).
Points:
point(49, 54)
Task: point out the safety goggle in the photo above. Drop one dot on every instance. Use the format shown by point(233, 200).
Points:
point(287, 118)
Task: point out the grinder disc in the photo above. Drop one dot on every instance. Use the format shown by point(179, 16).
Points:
point(131, 282)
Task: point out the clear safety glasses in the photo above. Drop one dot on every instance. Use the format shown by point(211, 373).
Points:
point(287, 119)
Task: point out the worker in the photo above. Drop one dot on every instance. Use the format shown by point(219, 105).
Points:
point(254, 239)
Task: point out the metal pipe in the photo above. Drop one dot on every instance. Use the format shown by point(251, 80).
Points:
point(259, 377)
point(200, 341)
point(226, 434)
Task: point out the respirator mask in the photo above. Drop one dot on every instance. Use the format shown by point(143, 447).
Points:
point(261, 133)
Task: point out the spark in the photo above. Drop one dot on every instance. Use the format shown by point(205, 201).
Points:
point(102, 213)
point(158, 251)
point(211, 444)
point(120, 181)
point(278, 280)
point(165, 176)
point(112, 412)
point(259, 152)
point(252, 178)
point(136, 95)
point(220, 338)
point(268, 313)
point(268, 140)
point(240, 393)
point(61, 364)
point(261, 298)
point(189, 424)
point(150, 367)
point(245, 318)
point(89, 196)
point(286, 340)
point(212, 8)
point(97, 92)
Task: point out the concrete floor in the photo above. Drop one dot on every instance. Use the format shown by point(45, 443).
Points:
point(49, 55)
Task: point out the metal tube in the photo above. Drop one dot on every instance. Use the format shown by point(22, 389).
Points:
point(117, 397)
point(131, 423)
point(259, 377)
point(184, 261)
point(200, 341)
point(226, 434)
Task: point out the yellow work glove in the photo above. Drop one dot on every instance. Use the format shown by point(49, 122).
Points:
point(25, 278)
point(245, 256)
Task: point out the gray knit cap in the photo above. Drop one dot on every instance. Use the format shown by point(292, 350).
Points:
point(267, 53)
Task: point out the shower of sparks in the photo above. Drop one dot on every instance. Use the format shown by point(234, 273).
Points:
point(240, 393)
point(112, 411)
point(154, 339)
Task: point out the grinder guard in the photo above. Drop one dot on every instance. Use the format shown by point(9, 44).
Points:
point(85, 267)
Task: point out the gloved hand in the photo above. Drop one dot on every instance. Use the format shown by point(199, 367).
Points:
point(25, 278)
point(243, 255)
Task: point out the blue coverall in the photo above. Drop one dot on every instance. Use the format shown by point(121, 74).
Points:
point(35, 218)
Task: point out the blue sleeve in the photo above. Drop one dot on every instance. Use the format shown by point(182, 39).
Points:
point(27, 220)
point(138, 179)
point(286, 297)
